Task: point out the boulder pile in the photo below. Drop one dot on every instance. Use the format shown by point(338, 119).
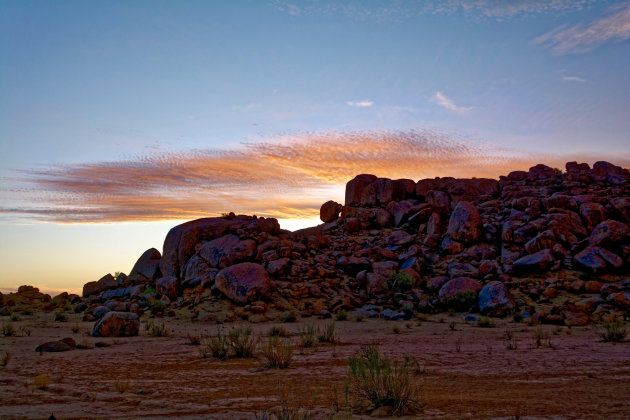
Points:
point(550, 245)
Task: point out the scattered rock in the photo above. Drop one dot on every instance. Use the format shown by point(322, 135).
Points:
point(117, 324)
point(244, 282)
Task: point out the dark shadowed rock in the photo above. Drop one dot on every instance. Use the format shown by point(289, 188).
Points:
point(197, 273)
point(146, 268)
point(399, 237)
point(544, 240)
point(465, 224)
point(603, 168)
point(383, 218)
point(278, 266)
point(535, 263)
point(168, 286)
point(227, 250)
point(596, 259)
point(439, 200)
point(329, 211)
point(359, 190)
point(456, 269)
point(495, 299)
point(593, 214)
point(106, 282)
point(609, 233)
point(401, 211)
point(244, 282)
point(460, 289)
point(65, 344)
point(117, 324)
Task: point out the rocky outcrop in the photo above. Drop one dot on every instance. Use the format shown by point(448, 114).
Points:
point(106, 282)
point(496, 246)
point(117, 324)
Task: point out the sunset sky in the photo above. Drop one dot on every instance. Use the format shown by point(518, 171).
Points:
point(121, 119)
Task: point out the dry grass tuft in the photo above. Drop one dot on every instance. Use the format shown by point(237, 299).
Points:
point(277, 352)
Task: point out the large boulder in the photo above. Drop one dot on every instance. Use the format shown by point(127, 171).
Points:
point(244, 282)
point(329, 211)
point(181, 241)
point(360, 191)
point(168, 286)
point(495, 299)
point(609, 233)
point(117, 324)
point(227, 250)
point(596, 259)
point(106, 282)
point(465, 224)
point(460, 291)
point(534, 263)
point(197, 273)
point(64, 344)
point(147, 267)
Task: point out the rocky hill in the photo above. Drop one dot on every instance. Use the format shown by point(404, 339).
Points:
point(548, 245)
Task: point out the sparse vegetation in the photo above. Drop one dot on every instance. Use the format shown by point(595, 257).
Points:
point(217, 345)
point(156, 330)
point(383, 383)
point(193, 340)
point(540, 335)
point(327, 335)
point(341, 316)
point(121, 386)
point(288, 316)
point(15, 317)
point(157, 307)
point(614, 330)
point(75, 328)
point(5, 357)
point(485, 322)
point(308, 335)
point(277, 352)
point(277, 331)
point(359, 318)
point(41, 381)
point(242, 343)
point(61, 316)
point(8, 329)
point(400, 282)
point(451, 325)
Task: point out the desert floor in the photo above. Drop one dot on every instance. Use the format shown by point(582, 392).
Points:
point(464, 371)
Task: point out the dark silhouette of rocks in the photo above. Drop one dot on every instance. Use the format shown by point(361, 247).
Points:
point(490, 246)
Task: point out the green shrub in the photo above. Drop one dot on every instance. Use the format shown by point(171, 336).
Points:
point(277, 352)
point(218, 346)
point(328, 334)
point(15, 317)
point(156, 330)
point(4, 358)
point(614, 330)
point(308, 335)
point(277, 331)
point(7, 329)
point(61, 316)
point(242, 343)
point(383, 383)
point(157, 306)
point(341, 316)
point(485, 322)
point(401, 282)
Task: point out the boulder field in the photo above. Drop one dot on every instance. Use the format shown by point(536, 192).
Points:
point(547, 244)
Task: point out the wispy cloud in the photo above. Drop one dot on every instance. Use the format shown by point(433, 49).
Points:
point(245, 108)
point(443, 101)
point(286, 177)
point(360, 104)
point(386, 10)
point(574, 79)
point(583, 38)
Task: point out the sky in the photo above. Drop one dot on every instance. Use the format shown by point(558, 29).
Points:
point(122, 119)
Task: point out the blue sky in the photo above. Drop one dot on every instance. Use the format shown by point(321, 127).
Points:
point(112, 112)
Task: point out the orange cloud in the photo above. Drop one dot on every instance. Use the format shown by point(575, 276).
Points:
point(286, 177)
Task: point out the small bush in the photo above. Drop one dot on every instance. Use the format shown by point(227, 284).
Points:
point(242, 342)
point(7, 329)
point(28, 311)
point(614, 330)
point(277, 332)
point(383, 383)
point(121, 386)
point(75, 328)
point(485, 322)
point(396, 330)
point(539, 336)
point(308, 335)
point(328, 334)
point(156, 330)
point(61, 316)
point(359, 318)
point(15, 317)
point(277, 352)
point(341, 316)
point(41, 381)
point(218, 346)
point(193, 340)
point(288, 316)
point(400, 282)
point(451, 325)
point(157, 307)
point(4, 358)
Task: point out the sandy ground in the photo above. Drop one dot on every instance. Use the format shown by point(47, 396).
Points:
point(468, 372)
